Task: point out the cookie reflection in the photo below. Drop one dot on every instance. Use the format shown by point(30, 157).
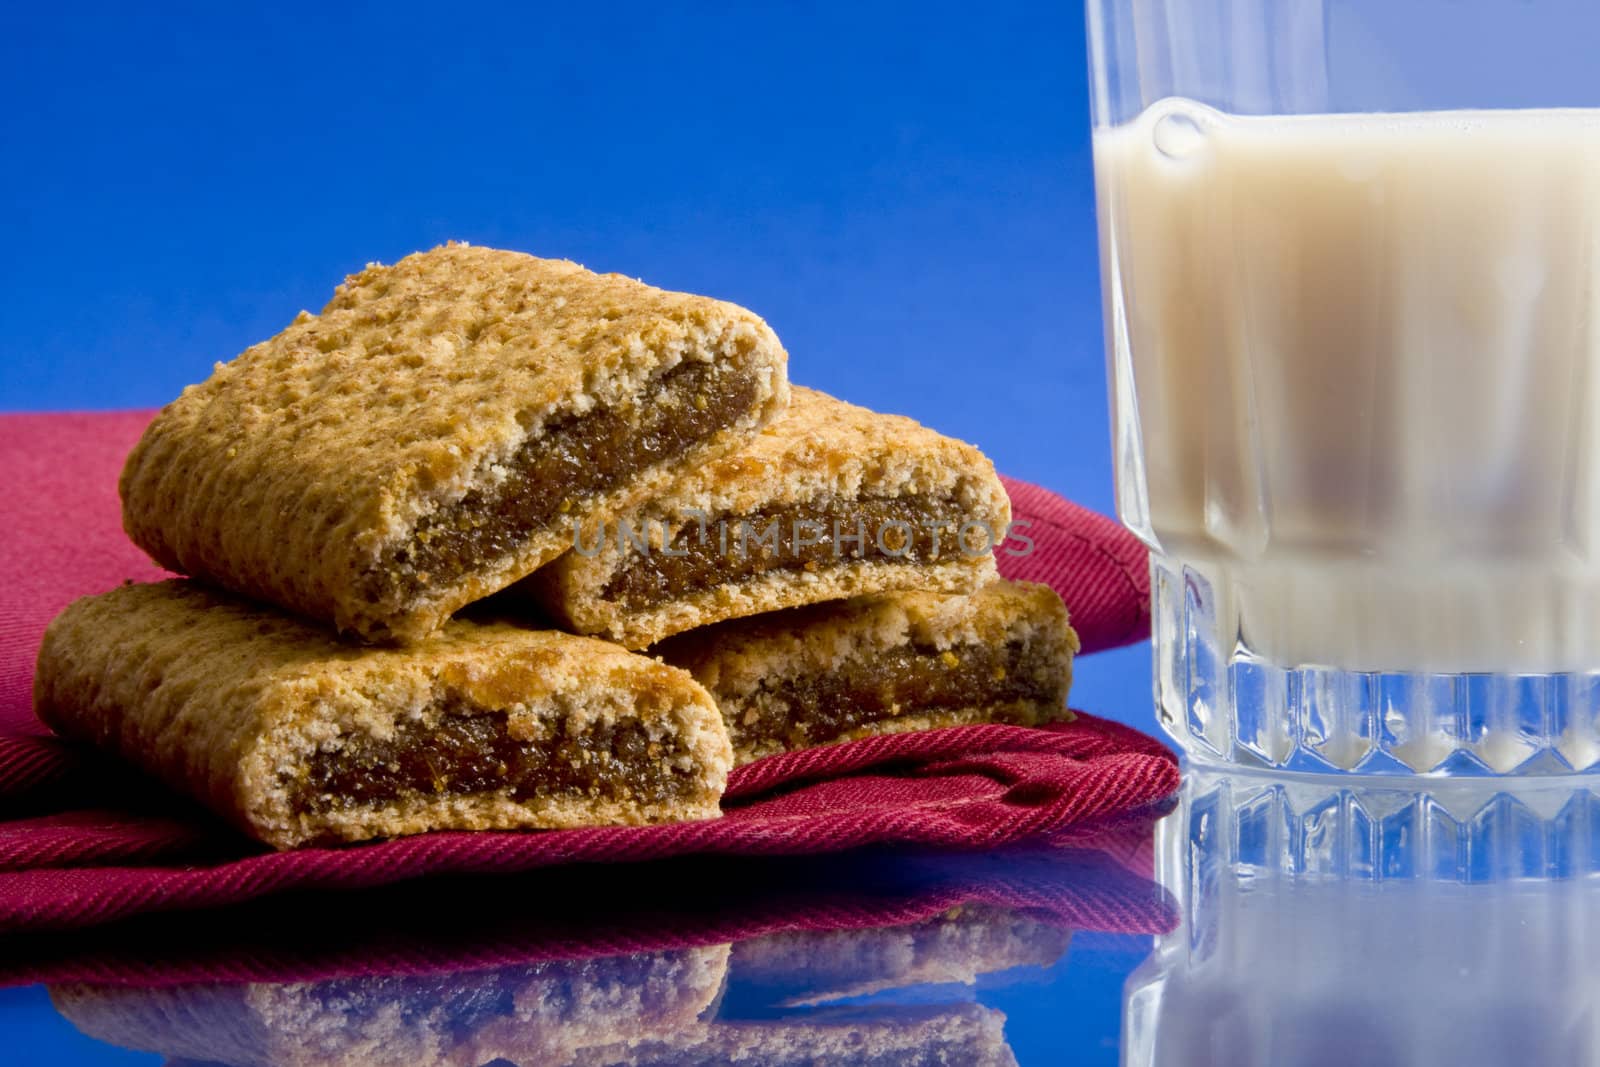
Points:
point(530, 1014)
point(882, 972)
point(657, 1008)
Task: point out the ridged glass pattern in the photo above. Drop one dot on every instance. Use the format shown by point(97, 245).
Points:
point(1254, 825)
point(1221, 702)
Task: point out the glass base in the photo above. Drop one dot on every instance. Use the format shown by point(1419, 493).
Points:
point(1260, 826)
point(1222, 703)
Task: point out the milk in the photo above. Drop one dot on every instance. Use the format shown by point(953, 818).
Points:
point(1356, 377)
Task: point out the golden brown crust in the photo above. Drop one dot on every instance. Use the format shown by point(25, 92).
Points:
point(226, 702)
point(745, 662)
point(822, 451)
point(289, 472)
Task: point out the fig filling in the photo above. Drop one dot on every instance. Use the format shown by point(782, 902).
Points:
point(469, 751)
point(909, 680)
point(576, 457)
point(800, 537)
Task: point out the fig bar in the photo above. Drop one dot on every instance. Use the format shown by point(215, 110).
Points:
point(831, 501)
point(297, 739)
point(433, 435)
point(884, 664)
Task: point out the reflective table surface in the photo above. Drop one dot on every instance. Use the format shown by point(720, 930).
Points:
point(1258, 919)
point(880, 957)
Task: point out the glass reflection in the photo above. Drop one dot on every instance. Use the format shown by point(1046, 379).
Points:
point(1374, 922)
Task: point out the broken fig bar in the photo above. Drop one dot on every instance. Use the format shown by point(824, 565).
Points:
point(433, 435)
point(830, 501)
point(884, 664)
point(297, 738)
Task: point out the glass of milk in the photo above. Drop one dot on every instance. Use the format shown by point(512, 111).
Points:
point(1351, 265)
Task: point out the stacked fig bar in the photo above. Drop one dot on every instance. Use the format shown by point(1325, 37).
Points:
point(732, 568)
point(832, 579)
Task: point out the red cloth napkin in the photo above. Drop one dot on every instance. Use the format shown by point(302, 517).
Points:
point(82, 842)
point(1072, 881)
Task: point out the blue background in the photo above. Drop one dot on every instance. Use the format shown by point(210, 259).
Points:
point(903, 190)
